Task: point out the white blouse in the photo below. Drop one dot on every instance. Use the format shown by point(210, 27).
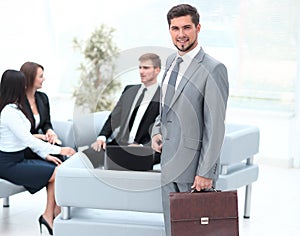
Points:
point(37, 120)
point(15, 134)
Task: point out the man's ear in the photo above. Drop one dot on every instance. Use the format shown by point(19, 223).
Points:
point(198, 28)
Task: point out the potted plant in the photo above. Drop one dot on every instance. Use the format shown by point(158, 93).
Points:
point(97, 86)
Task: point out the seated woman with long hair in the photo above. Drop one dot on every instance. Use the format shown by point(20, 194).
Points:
point(15, 137)
point(37, 107)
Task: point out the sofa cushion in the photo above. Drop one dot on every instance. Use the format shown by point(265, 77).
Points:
point(78, 184)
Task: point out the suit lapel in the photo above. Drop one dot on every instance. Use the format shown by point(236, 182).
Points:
point(132, 91)
point(152, 103)
point(41, 107)
point(168, 65)
point(149, 115)
point(29, 111)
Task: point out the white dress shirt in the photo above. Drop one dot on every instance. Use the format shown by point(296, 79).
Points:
point(150, 92)
point(15, 134)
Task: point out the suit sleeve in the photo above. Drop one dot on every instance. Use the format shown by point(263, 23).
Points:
point(216, 95)
point(156, 129)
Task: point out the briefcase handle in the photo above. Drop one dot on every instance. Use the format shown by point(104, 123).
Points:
point(205, 190)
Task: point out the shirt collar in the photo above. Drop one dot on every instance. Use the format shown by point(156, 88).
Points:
point(188, 57)
point(152, 87)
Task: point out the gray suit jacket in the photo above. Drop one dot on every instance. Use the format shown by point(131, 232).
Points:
point(194, 130)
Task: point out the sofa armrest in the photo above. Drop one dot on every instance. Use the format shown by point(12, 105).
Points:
point(65, 132)
point(88, 126)
point(240, 143)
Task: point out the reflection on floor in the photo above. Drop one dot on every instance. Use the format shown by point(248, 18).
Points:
point(275, 207)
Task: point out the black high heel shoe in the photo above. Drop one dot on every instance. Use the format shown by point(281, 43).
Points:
point(42, 221)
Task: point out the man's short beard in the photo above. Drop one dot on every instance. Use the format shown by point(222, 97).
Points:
point(186, 49)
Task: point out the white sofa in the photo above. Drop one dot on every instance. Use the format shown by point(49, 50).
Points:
point(79, 132)
point(238, 168)
point(103, 202)
point(107, 202)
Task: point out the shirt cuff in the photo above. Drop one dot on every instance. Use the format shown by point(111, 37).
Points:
point(101, 138)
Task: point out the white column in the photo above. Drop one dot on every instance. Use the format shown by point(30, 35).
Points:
point(295, 131)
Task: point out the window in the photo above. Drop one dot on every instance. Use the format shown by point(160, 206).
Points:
point(257, 41)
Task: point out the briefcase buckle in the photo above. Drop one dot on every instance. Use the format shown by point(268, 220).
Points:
point(204, 220)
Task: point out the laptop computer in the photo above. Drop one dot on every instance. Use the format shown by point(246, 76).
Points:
point(128, 158)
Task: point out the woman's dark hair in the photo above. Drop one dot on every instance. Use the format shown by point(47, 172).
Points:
point(30, 70)
point(12, 89)
point(183, 10)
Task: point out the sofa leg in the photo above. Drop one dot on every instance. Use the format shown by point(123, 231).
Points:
point(66, 213)
point(6, 202)
point(247, 201)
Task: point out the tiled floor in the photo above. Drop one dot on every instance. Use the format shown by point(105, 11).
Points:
point(275, 207)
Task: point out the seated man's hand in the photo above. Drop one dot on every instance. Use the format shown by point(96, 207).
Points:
point(98, 145)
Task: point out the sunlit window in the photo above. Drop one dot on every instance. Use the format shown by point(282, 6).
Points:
point(258, 42)
point(256, 39)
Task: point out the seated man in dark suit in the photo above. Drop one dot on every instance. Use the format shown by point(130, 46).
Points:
point(136, 110)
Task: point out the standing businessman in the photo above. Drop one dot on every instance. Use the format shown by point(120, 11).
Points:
point(189, 131)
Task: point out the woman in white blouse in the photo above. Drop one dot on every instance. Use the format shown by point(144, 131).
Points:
point(15, 137)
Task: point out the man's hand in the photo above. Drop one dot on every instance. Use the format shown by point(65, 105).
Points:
point(157, 143)
point(202, 183)
point(98, 145)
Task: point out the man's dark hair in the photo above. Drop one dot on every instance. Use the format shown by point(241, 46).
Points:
point(183, 10)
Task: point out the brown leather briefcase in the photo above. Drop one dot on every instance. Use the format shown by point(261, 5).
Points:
point(204, 213)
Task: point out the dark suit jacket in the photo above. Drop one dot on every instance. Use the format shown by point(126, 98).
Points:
point(43, 107)
point(119, 117)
